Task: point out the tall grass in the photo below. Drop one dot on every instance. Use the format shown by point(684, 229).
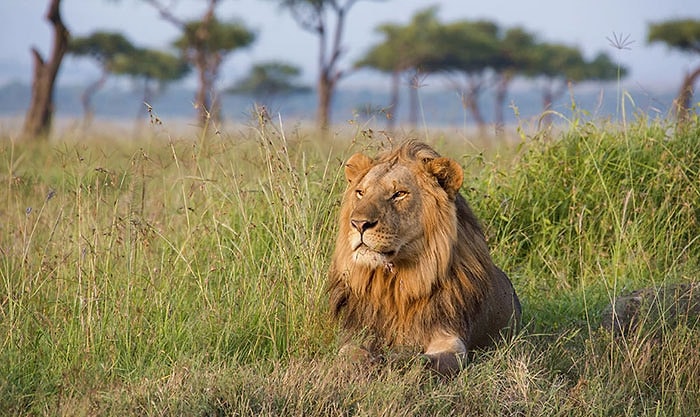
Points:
point(598, 212)
point(181, 276)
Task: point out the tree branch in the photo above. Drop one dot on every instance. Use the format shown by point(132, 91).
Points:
point(166, 14)
point(311, 21)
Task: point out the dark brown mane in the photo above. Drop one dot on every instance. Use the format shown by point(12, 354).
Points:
point(408, 151)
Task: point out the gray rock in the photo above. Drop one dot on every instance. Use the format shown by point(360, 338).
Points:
point(653, 309)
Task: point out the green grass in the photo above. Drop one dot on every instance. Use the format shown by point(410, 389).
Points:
point(185, 276)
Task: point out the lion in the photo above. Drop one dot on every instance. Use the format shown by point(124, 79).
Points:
point(411, 269)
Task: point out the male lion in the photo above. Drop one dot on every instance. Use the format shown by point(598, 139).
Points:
point(411, 267)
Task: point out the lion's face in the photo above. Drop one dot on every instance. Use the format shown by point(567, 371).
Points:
point(387, 199)
point(382, 224)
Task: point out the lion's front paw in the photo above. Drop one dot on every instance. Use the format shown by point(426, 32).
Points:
point(446, 353)
point(445, 363)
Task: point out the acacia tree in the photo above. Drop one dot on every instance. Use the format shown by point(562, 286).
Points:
point(155, 68)
point(205, 43)
point(602, 68)
point(37, 122)
point(388, 57)
point(316, 16)
point(560, 65)
point(105, 48)
point(683, 35)
point(469, 48)
point(269, 79)
point(514, 57)
point(402, 50)
point(557, 65)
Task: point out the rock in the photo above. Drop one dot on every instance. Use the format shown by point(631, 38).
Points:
point(654, 308)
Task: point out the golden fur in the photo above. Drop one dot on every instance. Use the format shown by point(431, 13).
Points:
point(411, 268)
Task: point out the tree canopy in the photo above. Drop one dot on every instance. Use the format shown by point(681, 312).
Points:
point(464, 46)
point(403, 47)
point(222, 37)
point(152, 64)
point(101, 46)
point(156, 68)
point(269, 79)
point(683, 35)
point(105, 48)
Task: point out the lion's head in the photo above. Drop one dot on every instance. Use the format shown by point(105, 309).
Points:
point(384, 203)
point(411, 266)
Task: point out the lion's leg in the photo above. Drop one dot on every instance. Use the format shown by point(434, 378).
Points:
point(446, 353)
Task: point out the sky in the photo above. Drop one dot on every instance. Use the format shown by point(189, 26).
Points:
point(587, 24)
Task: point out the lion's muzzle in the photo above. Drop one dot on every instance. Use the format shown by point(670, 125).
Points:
point(361, 225)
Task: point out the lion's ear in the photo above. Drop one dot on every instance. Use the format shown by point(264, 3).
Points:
point(448, 174)
point(357, 165)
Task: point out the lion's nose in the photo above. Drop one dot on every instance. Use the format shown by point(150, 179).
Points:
point(362, 225)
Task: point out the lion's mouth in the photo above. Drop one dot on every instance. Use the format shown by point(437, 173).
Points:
point(362, 247)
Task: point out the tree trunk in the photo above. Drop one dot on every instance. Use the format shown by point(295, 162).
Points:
point(470, 100)
point(683, 102)
point(86, 98)
point(328, 64)
point(472, 104)
point(325, 98)
point(413, 87)
point(37, 122)
point(201, 98)
point(547, 100)
point(313, 19)
point(502, 85)
point(412, 105)
point(393, 101)
point(207, 65)
point(551, 92)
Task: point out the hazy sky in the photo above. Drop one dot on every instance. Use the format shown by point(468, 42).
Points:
point(582, 23)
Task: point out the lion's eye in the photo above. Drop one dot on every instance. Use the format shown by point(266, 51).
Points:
point(359, 194)
point(399, 195)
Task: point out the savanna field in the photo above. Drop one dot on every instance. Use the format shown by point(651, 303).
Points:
point(175, 274)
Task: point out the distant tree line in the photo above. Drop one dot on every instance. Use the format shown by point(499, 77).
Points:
point(475, 55)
